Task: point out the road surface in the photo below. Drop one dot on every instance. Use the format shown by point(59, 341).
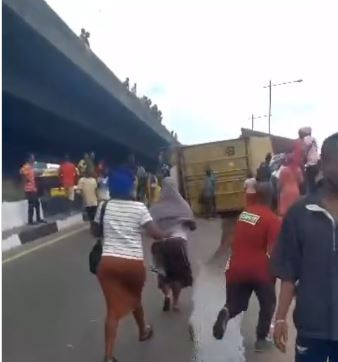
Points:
point(53, 309)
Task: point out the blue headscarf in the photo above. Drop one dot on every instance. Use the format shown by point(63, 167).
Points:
point(121, 183)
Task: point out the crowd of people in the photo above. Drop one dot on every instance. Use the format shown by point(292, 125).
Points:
point(90, 179)
point(291, 175)
point(293, 239)
point(295, 242)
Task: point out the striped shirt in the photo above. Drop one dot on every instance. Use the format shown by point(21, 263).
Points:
point(122, 228)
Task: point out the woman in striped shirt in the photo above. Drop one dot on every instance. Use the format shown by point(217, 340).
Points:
point(121, 272)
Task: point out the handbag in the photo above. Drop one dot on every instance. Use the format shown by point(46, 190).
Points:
point(96, 252)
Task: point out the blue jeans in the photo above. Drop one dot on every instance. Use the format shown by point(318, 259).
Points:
point(316, 350)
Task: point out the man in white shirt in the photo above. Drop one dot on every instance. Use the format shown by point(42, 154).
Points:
point(88, 187)
point(312, 160)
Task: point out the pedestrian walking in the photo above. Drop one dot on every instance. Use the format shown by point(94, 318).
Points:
point(250, 189)
point(121, 271)
point(306, 261)
point(103, 187)
point(208, 196)
point(82, 165)
point(31, 190)
point(88, 188)
point(290, 181)
point(248, 271)
point(142, 178)
point(68, 175)
point(173, 215)
point(154, 189)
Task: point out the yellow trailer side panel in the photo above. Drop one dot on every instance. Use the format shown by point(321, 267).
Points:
point(230, 160)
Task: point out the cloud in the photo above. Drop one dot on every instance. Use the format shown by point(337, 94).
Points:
point(205, 62)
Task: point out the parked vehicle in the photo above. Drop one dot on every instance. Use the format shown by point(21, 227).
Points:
point(230, 160)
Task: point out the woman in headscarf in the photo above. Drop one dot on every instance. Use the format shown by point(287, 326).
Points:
point(121, 271)
point(290, 180)
point(173, 214)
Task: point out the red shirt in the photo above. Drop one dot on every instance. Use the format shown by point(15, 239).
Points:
point(255, 233)
point(27, 171)
point(67, 173)
point(299, 153)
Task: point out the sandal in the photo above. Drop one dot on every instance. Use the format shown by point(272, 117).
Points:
point(148, 334)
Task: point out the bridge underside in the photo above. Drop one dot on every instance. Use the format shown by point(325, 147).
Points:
point(51, 106)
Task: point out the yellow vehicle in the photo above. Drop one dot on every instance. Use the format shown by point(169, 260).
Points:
point(230, 161)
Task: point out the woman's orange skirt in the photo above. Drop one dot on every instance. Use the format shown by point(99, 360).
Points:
point(122, 282)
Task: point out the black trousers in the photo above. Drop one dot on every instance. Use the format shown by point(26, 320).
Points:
point(33, 204)
point(316, 350)
point(238, 297)
point(91, 212)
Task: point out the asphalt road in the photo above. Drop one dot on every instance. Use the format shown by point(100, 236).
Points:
point(53, 309)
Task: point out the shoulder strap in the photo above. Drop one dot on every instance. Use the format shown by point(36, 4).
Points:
point(103, 211)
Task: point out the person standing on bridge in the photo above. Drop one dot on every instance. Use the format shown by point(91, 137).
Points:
point(31, 190)
point(306, 261)
point(121, 271)
point(249, 268)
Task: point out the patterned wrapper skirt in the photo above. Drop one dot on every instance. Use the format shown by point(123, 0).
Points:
point(122, 282)
point(171, 259)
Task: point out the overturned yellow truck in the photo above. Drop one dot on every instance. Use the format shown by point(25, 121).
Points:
point(230, 160)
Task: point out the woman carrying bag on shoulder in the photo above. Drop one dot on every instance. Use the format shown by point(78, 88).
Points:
point(121, 271)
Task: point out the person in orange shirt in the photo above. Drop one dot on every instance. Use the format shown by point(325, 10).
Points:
point(31, 191)
point(68, 174)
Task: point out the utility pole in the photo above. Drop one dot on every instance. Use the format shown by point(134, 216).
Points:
point(270, 89)
point(269, 114)
point(253, 120)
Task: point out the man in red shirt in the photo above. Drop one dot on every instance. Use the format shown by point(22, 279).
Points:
point(31, 190)
point(254, 236)
point(68, 174)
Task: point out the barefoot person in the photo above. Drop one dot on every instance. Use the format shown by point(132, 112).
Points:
point(254, 236)
point(121, 271)
point(306, 261)
point(173, 214)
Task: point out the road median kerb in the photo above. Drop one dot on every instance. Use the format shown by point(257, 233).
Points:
point(39, 231)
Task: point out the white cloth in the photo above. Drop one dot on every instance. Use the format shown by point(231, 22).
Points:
point(250, 185)
point(179, 231)
point(122, 228)
point(88, 187)
point(312, 155)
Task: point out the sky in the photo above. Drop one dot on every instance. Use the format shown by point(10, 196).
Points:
point(205, 62)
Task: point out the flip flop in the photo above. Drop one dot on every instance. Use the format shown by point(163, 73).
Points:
point(147, 335)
